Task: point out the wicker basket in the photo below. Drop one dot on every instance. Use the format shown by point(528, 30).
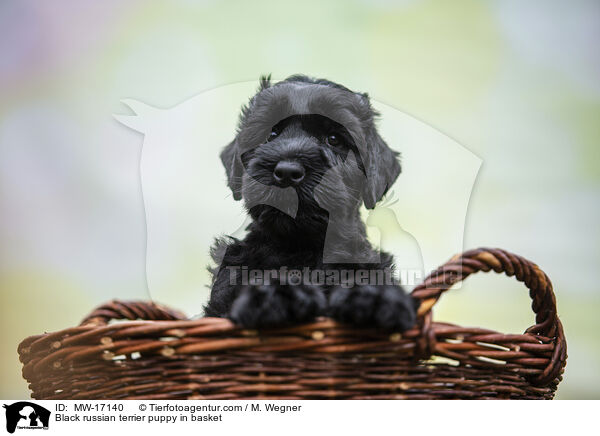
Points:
point(161, 355)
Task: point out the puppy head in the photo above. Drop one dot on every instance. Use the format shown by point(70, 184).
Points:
point(293, 132)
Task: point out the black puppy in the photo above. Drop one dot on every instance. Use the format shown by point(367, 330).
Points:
point(306, 155)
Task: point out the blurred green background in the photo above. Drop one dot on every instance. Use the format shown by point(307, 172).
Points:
point(517, 83)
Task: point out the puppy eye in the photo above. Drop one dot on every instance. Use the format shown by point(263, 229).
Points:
point(333, 140)
point(272, 135)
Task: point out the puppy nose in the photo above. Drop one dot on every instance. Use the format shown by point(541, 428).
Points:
point(288, 173)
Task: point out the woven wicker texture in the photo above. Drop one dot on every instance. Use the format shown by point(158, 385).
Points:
point(159, 354)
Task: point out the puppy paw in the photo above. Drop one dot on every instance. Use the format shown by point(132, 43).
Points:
point(273, 305)
point(386, 307)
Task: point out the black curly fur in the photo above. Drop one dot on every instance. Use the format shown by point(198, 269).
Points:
point(302, 112)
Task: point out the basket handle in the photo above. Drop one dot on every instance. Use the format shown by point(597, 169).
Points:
point(485, 259)
point(131, 310)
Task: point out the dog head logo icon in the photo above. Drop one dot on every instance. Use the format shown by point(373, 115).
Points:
point(188, 198)
point(26, 415)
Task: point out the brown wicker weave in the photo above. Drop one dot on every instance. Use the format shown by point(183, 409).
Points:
point(160, 355)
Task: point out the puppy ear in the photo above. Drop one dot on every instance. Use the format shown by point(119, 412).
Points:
point(382, 168)
point(233, 168)
point(230, 155)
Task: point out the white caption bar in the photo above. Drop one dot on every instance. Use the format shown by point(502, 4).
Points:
point(272, 417)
